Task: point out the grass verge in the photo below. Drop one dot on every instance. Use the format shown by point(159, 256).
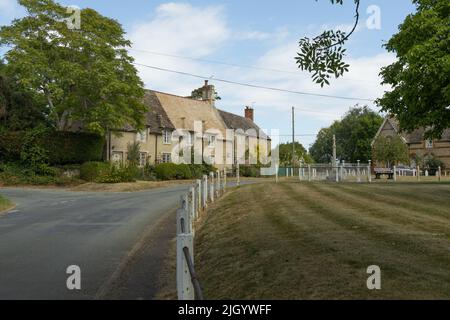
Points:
point(5, 204)
point(315, 241)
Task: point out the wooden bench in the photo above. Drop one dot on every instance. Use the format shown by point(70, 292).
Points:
point(379, 172)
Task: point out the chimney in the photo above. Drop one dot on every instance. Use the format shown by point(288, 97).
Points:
point(249, 113)
point(208, 92)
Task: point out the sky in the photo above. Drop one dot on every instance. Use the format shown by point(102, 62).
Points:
point(254, 42)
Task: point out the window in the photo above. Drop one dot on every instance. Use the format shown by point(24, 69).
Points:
point(141, 136)
point(166, 157)
point(142, 159)
point(167, 137)
point(117, 157)
point(211, 141)
point(429, 144)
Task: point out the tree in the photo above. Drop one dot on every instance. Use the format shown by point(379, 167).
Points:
point(285, 153)
point(390, 150)
point(198, 94)
point(323, 55)
point(134, 153)
point(85, 75)
point(420, 78)
point(354, 135)
point(20, 109)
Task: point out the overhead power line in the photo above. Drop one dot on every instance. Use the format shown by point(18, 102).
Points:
point(296, 73)
point(253, 85)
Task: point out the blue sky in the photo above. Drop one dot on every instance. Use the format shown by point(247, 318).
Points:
point(252, 33)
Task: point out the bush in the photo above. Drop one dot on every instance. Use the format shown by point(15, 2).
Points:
point(16, 174)
point(250, 171)
point(148, 173)
point(66, 147)
point(90, 171)
point(171, 171)
point(118, 174)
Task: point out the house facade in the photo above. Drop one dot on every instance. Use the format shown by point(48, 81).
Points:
point(175, 124)
point(418, 146)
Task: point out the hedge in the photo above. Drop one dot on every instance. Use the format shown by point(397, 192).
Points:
point(63, 147)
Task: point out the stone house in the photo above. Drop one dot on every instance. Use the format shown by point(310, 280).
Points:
point(416, 142)
point(173, 119)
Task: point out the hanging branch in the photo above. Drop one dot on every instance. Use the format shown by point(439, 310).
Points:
point(323, 55)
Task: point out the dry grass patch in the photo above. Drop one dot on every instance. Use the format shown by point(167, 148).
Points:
point(5, 204)
point(315, 241)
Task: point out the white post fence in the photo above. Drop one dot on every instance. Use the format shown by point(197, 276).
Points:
point(191, 204)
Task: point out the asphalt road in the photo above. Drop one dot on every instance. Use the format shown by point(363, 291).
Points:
point(50, 230)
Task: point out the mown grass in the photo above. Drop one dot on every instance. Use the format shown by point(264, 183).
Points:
point(5, 204)
point(296, 240)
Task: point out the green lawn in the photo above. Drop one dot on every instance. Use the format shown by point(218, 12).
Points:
point(315, 241)
point(5, 203)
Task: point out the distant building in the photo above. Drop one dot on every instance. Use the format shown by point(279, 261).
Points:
point(169, 113)
point(416, 142)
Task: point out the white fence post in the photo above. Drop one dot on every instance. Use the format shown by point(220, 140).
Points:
point(418, 173)
point(439, 174)
point(211, 187)
point(224, 179)
point(185, 287)
point(277, 168)
point(192, 203)
point(205, 192)
point(199, 197)
point(395, 173)
point(218, 186)
point(238, 178)
point(369, 171)
point(359, 171)
point(309, 173)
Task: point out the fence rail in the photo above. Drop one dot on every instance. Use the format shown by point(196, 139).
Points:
point(192, 205)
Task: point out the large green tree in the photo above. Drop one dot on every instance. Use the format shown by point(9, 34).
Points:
point(20, 109)
point(354, 135)
point(420, 78)
point(390, 151)
point(84, 74)
point(285, 153)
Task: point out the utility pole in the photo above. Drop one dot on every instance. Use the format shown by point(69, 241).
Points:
point(293, 138)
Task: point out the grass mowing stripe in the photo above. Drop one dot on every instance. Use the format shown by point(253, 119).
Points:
point(346, 215)
point(404, 199)
point(383, 210)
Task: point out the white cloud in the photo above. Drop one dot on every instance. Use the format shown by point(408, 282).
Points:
point(8, 8)
point(200, 32)
point(178, 29)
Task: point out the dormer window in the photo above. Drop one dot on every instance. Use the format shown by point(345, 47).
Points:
point(429, 144)
point(141, 136)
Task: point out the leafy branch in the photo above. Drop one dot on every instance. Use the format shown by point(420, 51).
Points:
point(323, 55)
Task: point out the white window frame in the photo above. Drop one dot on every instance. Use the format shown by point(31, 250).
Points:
point(166, 157)
point(167, 136)
point(212, 141)
point(429, 144)
point(143, 159)
point(141, 136)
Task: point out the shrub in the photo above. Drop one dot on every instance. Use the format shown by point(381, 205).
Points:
point(148, 173)
point(90, 171)
point(250, 171)
point(66, 147)
point(166, 171)
point(118, 174)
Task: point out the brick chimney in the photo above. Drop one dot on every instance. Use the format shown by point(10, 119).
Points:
point(249, 113)
point(208, 92)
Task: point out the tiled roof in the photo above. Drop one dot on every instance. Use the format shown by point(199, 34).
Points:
point(184, 112)
point(236, 122)
point(416, 136)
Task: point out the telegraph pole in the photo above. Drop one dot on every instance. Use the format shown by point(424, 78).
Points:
point(293, 138)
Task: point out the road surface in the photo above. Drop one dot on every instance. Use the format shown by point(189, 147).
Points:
point(50, 230)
